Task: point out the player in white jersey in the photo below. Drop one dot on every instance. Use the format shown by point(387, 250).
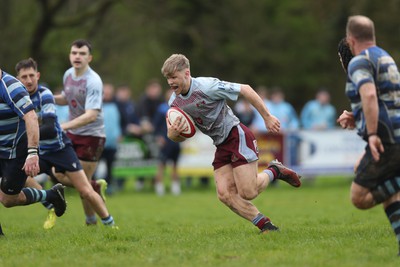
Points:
point(83, 93)
point(235, 162)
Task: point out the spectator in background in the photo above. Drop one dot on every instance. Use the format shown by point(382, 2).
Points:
point(149, 103)
point(112, 124)
point(283, 110)
point(126, 106)
point(278, 107)
point(147, 108)
point(169, 150)
point(319, 114)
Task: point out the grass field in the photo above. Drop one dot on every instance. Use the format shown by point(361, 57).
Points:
point(319, 227)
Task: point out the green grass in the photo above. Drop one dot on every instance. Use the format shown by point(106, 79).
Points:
point(319, 227)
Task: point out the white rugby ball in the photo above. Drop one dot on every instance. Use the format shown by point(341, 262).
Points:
point(174, 112)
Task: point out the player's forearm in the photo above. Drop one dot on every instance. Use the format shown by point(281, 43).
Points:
point(88, 117)
point(370, 107)
point(255, 100)
point(60, 100)
point(32, 128)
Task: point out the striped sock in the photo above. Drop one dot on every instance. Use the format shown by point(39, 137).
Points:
point(393, 213)
point(260, 220)
point(385, 190)
point(109, 221)
point(34, 195)
point(271, 174)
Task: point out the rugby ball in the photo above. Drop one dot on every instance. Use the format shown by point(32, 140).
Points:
point(174, 112)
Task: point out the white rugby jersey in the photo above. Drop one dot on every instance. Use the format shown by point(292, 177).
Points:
point(83, 93)
point(206, 104)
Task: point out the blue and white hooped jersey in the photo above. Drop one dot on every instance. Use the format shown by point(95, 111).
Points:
point(375, 65)
point(43, 101)
point(14, 104)
point(206, 104)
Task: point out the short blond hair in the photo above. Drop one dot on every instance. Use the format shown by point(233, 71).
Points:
point(175, 62)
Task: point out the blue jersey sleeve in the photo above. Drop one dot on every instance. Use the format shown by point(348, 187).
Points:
point(15, 95)
point(361, 71)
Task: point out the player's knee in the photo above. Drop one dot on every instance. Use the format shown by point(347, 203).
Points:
point(86, 192)
point(248, 194)
point(360, 203)
point(7, 203)
point(224, 197)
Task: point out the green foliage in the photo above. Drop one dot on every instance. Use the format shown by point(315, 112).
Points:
point(319, 227)
point(291, 44)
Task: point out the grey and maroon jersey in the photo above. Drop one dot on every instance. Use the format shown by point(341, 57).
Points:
point(206, 104)
point(83, 93)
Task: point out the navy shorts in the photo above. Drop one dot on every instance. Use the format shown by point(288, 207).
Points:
point(13, 177)
point(62, 160)
point(370, 174)
point(240, 147)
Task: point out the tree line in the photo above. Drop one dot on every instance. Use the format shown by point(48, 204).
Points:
point(286, 43)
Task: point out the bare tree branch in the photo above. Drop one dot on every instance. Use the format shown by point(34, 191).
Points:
point(49, 20)
point(97, 9)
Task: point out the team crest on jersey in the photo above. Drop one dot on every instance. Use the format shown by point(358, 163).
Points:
point(199, 121)
point(74, 103)
point(199, 104)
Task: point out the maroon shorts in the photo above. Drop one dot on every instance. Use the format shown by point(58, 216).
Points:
point(240, 147)
point(87, 148)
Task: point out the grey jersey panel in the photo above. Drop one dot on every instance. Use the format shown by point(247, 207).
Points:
point(206, 104)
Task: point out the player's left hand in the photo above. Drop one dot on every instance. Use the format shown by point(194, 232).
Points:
point(376, 146)
point(31, 166)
